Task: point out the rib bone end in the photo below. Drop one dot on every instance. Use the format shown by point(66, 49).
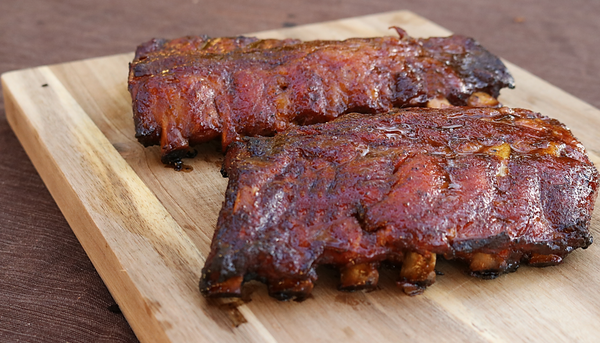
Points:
point(228, 288)
point(288, 289)
point(359, 276)
point(418, 272)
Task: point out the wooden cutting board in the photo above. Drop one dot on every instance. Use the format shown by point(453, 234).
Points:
point(147, 228)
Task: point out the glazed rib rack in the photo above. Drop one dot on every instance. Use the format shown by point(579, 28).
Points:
point(494, 188)
point(194, 89)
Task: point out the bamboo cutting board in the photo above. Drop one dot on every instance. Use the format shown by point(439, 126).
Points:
point(147, 228)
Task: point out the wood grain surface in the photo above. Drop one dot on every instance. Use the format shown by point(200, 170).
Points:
point(147, 228)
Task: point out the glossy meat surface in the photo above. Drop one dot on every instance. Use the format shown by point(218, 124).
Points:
point(491, 187)
point(194, 89)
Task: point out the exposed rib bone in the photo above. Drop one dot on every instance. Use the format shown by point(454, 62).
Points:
point(481, 99)
point(227, 288)
point(482, 262)
point(359, 276)
point(418, 272)
point(539, 260)
point(291, 289)
point(439, 103)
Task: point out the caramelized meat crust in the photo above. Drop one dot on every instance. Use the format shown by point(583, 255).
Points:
point(491, 187)
point(190, 90)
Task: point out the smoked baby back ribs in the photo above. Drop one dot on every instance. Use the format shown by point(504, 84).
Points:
point(194, 89)
point(490, 187)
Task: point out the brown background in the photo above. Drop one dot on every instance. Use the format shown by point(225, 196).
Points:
point(49, 290)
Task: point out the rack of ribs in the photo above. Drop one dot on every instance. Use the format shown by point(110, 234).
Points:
point(194, 89)
point(492, 187)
